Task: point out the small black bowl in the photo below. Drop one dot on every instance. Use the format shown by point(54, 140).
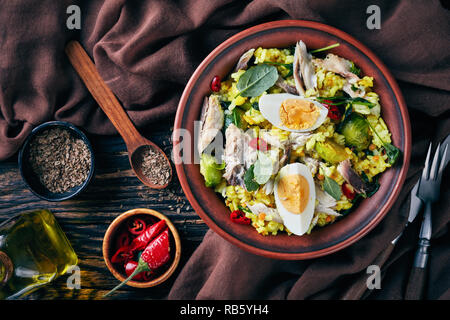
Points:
point(30, 178)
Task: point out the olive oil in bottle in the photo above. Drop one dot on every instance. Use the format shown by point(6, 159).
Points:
point(33, 251)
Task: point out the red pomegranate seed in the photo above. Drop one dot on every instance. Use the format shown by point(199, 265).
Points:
point(215, 84)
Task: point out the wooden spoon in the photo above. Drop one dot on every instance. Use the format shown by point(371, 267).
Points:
point(136, 143)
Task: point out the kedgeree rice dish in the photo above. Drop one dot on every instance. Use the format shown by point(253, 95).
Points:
point(293, 139)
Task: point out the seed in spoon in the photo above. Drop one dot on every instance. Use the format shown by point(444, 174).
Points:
point(155, 166)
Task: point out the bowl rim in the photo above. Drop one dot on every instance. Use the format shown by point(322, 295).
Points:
point(113, 228)
point(406, 152)
point(68, 126)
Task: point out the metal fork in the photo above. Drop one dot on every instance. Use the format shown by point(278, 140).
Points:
point(428, 192)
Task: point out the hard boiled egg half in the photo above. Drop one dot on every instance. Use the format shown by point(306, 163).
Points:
point(295, 197)
point(292, 113)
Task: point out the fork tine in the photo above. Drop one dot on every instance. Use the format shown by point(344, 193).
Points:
point(442, 164)
point(435, 164)
point(426, 169)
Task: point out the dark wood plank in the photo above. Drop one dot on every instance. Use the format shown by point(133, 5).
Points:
point(85, 219)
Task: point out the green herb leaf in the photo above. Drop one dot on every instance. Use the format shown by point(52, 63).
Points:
point(228, 120)
point(255, 105)
point(256, 80)
point(374, 189)
point(289, 66)
point(392, 152)
point(290, 73)
point(246, 106)
point(263, 168)
point(336, 101)
point(332, 188)
point(235, 117)
point(365, 177)
point(354, 69)
point(362, 101)
point(373, 186)
point(249, 181)
point(286, 65)
point(335, 98)
point(348, 111)
point(244, 209)
point(224, 105)
point(325, 48)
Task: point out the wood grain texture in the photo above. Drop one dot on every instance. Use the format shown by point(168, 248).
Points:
point(113, 190)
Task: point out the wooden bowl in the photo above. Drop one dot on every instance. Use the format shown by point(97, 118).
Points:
point(108, 248)
point(210, 206)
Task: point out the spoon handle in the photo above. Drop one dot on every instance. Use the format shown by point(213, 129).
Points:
point(85, 68)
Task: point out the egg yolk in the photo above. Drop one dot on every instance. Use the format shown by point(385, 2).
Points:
point(298, 114)
point(293, 191)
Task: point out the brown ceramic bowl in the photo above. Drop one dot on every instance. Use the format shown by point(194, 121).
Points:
point(211, 208)
point(110, 237)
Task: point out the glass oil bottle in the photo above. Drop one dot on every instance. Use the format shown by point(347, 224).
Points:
point(33, 251)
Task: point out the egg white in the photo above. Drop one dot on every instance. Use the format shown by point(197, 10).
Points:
point(298, 224)
point(270, 105)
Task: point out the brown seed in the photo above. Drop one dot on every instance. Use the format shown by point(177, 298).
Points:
point(155, 166)
point(60, 160)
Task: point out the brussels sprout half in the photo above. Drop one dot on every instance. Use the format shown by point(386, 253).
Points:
point(356, 132)
point(211, 171)
point(331, 152)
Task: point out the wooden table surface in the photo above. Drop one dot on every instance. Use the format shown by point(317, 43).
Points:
point(113, 190)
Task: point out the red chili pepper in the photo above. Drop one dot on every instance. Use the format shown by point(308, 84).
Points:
point(215, 84)
point(333, 111)
point(237, 216)
point(348, 191)
point(122, 255)
point(130, 266)
point(149, 234)
point(259, 144)
point(123, 240)
point(136, 226)
point(157, 252)
point(155, 255)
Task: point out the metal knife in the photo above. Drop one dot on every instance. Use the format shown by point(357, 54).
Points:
point(359, 287)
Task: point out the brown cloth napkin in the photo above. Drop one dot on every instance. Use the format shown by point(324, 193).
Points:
point(147, 50)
